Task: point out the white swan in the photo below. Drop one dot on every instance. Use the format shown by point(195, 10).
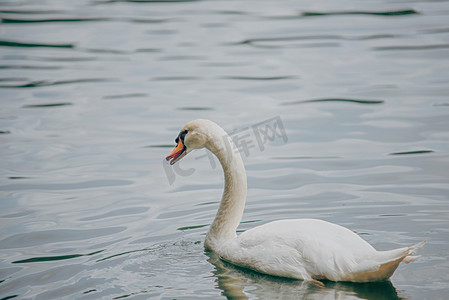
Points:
point(307, 249)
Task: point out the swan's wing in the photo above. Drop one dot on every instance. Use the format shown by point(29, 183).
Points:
point(303, 249)
point(382, 265)
point(313, 249)
point(265, 250)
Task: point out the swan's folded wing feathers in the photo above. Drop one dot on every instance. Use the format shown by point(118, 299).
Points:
point(262, 249)
point(312, 249)
point(328, 259)
point(306, 248)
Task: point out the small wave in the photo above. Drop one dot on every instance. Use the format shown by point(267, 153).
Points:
point(307, 45)
point(412, 152)
point(147, 50)
point(276, 42)
point(256, 41)
point(53, 258)
point(288, 38)
point(151, 21)
point(191, 227)
point(41, 83)
point(374, 37)
point(231, 12)
point(134, 95)
point(259, 78)
point(123, 253)
point(161, 31)
point(27, 44)
point(106, 51)
point(174, 78)
point(391, 13)
point(53, 59)
point(28, 67)
point(436, 31)
point(47, 105)
point(412, 47)
point(442, 104)
point(58, 20)
point(358, 101)
point(182, 57)
point(30, 12)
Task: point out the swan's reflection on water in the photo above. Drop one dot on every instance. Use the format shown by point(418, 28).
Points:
point(240, 283)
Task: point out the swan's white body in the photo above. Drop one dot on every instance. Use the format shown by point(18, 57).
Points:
point(307, 249)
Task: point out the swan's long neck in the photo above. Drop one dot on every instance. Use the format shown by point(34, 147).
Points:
point(232, 203)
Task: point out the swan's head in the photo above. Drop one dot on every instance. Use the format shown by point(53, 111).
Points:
point(195, 134)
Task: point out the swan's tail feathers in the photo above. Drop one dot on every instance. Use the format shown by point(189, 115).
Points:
point(402, 254)
point(417, 246)
point(410, 258)
point(385, 264)
point(411, 250)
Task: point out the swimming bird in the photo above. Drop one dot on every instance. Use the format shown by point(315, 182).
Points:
point(305, 249)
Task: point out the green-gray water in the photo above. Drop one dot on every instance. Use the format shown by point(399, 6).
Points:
point(94, 92)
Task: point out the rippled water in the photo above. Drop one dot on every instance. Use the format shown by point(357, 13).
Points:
point(94, 92)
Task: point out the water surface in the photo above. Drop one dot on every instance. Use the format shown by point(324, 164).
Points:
point(94, 92)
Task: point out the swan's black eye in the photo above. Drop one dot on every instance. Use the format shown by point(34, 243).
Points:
point(181, 136)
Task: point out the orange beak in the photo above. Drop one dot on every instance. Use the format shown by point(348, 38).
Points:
point(177, 153)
